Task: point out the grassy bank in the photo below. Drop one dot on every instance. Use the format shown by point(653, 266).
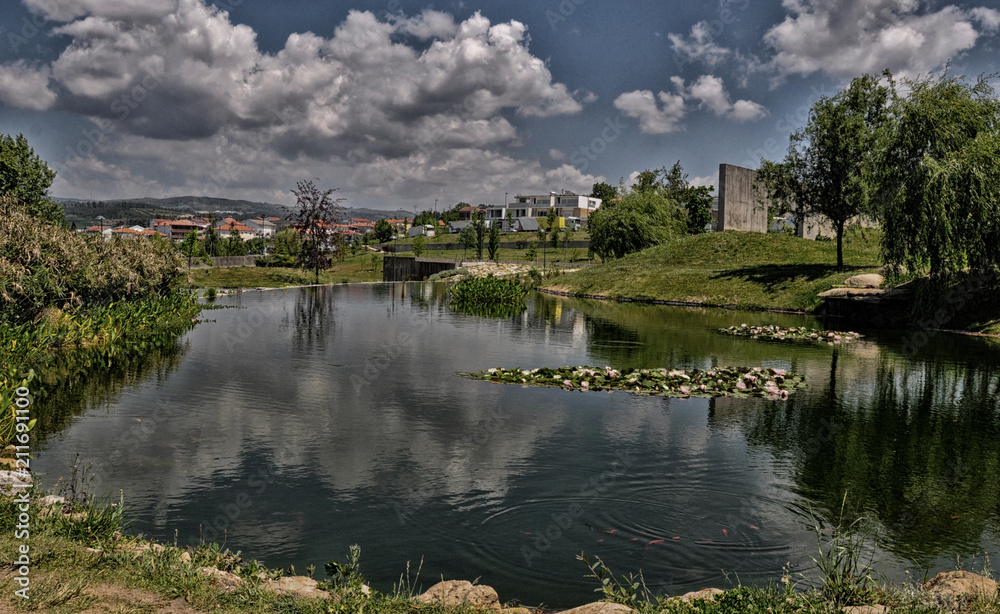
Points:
point(352, 270)
point(81, 562)
point(744, 270)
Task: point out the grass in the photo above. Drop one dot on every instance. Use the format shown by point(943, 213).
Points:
point(744, 270)
point(353, 269)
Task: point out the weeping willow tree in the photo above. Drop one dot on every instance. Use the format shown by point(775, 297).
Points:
point(939, 178)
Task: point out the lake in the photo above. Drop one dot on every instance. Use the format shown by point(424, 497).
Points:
point(294, 423)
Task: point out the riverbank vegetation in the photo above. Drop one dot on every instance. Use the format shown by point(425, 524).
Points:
point(61, 293)
point(736, 269)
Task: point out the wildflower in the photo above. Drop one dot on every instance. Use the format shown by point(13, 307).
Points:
point(491, 371)
point(779, 372)
point(685, 390)
point(741, 386)
point(585, 385)
point(567, 383)
point(743, 325)
point(783, 394)
point(703, 387)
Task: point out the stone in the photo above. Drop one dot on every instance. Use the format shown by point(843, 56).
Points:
point(864, 609)
point(708, 594)
point(600, 607)
point(452, 593)
point(951, 584)
point(518, 610)
point(300, 586)
point(10, 479)
point(51, 500)
point(228, 581)
point(869, 280)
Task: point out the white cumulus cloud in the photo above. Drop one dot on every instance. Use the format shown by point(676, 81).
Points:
point(858, 36)
point(25, 86)
point(662, 113)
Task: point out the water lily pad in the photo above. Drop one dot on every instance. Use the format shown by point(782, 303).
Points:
point(719, 381)
point(799, 334)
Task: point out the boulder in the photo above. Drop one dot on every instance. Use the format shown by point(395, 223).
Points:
point(300, 586)
point(865, 609)
point(951, 584)
point(870, 280)
point(48, 500)
point(228, 581)
point(600, 607)
point(707, 594)
point(451, 593)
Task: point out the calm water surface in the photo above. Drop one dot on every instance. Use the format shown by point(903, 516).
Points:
point(300, 422)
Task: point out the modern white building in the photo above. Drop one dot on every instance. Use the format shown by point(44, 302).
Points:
point(568, 205)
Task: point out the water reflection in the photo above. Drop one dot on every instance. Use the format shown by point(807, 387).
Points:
point(340, 403)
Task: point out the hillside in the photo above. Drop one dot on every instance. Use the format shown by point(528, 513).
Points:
point(745, 270)
point(141, 210)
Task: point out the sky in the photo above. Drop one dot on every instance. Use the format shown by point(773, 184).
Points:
point(397, 103)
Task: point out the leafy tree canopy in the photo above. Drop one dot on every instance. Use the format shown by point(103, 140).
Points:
point(25, 176)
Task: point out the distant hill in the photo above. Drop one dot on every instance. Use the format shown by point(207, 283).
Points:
point(142, 210)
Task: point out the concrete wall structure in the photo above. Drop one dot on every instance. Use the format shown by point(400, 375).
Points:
point(740, 207)
point(413, 269)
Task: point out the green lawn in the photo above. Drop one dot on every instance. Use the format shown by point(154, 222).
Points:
point(745, 270)
point(352, 269)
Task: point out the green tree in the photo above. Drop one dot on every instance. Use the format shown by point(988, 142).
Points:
point(288, 242)
point(419, 244)
point(647, 181)
point(642, 219)
point(606, 192)
point(494, 244)
point(233, 245)
point(213, 244)
point(479, 229)
point(698, 202)
point(829, 166)
point(938, 181)
point(316, 218)
point(26, 177)
point(191, 246)
point(467, 237)
point(383, 231)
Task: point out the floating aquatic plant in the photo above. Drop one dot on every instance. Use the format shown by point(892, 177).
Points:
point(794, 333)
point(718, 381)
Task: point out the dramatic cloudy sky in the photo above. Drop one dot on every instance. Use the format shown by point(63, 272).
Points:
point(401, 103)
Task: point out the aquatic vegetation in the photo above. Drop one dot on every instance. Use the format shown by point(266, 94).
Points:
point(718, 381)
point(794, 333)
point(488, 290)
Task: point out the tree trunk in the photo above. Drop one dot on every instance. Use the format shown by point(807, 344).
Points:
point(840, 244)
